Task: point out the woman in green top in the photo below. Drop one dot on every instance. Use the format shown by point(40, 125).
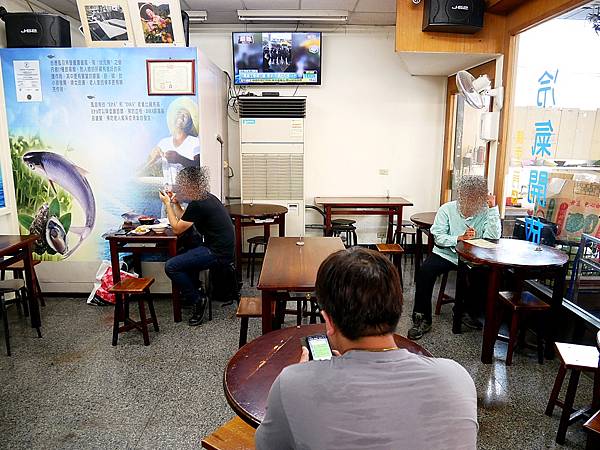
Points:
point(473, 215)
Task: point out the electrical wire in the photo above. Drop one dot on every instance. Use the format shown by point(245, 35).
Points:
point(29, 4)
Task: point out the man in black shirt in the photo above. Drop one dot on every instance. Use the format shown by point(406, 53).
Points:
point(211, 220)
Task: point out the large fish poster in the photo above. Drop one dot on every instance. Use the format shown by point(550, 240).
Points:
point(89, 146)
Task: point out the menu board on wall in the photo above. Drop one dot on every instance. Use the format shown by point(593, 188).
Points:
point(92, 147)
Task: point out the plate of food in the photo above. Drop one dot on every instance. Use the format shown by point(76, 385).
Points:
point(141, 230)
point(159, 228)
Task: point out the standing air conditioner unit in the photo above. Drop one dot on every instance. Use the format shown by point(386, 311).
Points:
point(272, 155)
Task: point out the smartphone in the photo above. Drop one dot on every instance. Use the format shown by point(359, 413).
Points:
point(318, 347)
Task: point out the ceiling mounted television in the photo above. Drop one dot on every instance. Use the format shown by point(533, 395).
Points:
point(277, 58)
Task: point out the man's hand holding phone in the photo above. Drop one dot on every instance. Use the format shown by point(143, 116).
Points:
point(316, 348)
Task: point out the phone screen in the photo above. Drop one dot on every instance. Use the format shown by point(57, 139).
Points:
point(319, 348)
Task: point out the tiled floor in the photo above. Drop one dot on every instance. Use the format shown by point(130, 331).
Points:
point(72, 389)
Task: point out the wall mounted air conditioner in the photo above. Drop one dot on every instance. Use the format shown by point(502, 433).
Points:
point(272, 155)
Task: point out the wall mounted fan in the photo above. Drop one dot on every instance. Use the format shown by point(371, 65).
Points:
point(474, 90)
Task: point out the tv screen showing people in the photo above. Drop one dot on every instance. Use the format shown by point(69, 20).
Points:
point(277, 58)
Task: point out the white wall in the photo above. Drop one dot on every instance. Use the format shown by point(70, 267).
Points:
point(368, 114)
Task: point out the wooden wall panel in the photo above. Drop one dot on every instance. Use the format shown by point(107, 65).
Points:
point(595, 146)
point(582, 145)
point(411, 38)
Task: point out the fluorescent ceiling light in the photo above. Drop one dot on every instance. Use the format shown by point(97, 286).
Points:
point(292, 15)
point(197, 16)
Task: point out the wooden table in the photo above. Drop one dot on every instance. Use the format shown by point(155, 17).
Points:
point(252, 370)
point(148, 243)
point(528, 263)
point(364, 206)
point(244, 214)
point(423, 221)
point(293, 268)
point(20, 248)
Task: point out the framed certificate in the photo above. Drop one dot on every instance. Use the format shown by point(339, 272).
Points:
point(171, 77)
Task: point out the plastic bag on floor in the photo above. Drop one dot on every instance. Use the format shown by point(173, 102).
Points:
point(104, 280)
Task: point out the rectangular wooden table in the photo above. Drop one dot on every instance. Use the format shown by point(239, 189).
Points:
point(148, 243)
point(364, 206)
point(292, 268)
point(20, 248)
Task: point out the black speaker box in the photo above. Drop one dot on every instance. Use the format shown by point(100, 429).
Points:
point(36, 30)
point(453, 16)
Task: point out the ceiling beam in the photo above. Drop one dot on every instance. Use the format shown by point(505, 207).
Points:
point(502, 7)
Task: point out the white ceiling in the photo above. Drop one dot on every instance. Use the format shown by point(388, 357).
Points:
point(362, 12)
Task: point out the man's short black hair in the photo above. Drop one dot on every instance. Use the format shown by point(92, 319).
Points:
point(360, 290)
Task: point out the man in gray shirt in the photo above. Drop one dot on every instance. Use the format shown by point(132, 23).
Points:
point(372, 395)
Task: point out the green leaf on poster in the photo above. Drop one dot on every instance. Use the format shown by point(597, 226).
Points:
point(54, 208)
point(25, 221)
point(66, 221)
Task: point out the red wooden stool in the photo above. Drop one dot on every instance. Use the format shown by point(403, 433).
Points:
point(124, 290)
point(396, 251)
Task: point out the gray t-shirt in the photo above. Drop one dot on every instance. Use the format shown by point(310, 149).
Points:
point(371, 400)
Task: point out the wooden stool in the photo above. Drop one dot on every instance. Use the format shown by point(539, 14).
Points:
point(17, 287)
point(592, 427)
point(396, 251)
point(577, 359)
point(234, 435)
point(253, 244)
point(443, 298)
point(249, 307)
point(127, 288)
point(18, 270)
point(520, 305)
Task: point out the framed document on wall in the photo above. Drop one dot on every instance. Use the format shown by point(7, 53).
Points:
point(171, 77)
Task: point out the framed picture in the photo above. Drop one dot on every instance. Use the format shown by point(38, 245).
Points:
point(171, 77)
point(157, 23)
point(106, 23)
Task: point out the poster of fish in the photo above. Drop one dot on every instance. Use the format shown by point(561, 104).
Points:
point(89, 146)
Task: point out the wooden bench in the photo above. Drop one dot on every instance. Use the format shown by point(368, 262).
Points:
point(249, 307)
point(124, 291)
point(234, 435)
point(592, 427)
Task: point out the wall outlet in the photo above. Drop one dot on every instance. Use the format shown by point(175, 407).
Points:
point(381, 236)
point(384, 172)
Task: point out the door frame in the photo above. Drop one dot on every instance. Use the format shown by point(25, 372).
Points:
point(489, 69)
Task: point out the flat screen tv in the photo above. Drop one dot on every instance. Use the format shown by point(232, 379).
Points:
point(277, 58)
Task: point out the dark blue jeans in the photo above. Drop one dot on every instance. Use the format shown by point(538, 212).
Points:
point(184, 270)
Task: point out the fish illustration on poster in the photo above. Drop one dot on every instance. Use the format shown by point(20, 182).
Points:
point(94, 145)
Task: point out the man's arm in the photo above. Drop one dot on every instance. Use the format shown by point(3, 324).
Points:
point(178, 225)
point(441, 230)
point(274, 431)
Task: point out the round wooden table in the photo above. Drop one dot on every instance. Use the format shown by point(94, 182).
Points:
point(252, 370)
point(423, 221)
point(547, 262)
point(244, 214)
